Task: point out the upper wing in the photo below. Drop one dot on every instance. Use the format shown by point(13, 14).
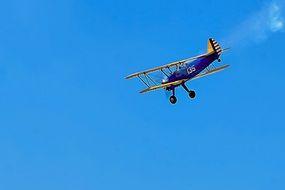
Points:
point(165, 85)
point(209, 72)
point(167, 65)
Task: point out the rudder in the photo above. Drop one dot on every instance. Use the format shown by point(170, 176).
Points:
point(214, 46)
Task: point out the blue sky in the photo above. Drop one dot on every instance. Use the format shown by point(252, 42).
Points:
point(69, 120)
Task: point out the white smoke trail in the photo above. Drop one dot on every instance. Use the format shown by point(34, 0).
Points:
point(259, 26)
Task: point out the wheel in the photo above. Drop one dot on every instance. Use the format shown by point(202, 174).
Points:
point(219, 60)
point(173, 99)
point(192, 94)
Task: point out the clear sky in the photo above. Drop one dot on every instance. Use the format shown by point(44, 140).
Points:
point(69, 120)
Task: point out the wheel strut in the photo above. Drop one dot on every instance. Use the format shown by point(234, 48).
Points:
point(172, 98)
point(191, 93)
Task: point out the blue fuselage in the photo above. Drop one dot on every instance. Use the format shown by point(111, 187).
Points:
point(193, 68)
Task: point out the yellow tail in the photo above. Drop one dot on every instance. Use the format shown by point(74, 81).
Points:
point(213, 46)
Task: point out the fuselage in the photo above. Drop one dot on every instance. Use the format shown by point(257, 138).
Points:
point(193, 68)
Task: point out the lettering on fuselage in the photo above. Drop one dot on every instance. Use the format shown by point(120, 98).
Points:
point(191, 70)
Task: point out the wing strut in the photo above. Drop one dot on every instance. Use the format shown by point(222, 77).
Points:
point(147, 80)
point(143, 81)
point(164, 73)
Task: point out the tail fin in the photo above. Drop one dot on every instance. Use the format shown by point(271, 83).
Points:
point(214, 46)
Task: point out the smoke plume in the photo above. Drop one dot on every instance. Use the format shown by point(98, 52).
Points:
point(259, 26)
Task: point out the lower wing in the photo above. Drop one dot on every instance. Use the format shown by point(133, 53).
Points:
point(209, 72)
point(164, 85)
point(178, 82)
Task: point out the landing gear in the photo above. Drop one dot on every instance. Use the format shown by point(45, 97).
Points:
point(191, 93)
point(172, 98)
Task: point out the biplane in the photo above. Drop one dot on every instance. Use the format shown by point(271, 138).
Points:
point(179, 72)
